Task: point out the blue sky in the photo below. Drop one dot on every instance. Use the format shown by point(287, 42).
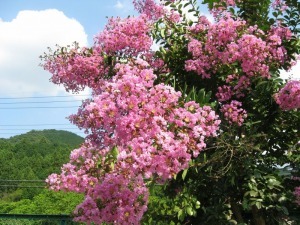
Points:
point(27, 28)
point(91, 14)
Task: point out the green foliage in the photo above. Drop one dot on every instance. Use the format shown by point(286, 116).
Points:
point(172, 207)
point(240, 178)
point(47, 202)
point(34, 156)
point(49, 136)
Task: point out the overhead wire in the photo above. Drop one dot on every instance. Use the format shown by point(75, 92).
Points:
point(41, 107)
point(17, 186)
point(20, 183)
point(37, 102)
point(33, 97)
point(6, 102)
point(34, 181)
point(13, 103)
point(41, 124)
point(63, 128)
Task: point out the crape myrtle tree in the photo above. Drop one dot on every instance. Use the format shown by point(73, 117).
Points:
point(202, 130)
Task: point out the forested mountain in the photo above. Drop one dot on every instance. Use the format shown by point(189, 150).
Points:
point(53, 136)
point(25, 161)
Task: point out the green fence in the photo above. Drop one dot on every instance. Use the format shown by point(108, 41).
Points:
point(27, 219)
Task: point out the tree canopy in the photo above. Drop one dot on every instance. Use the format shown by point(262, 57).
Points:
point(25, 162)
point(202, 130)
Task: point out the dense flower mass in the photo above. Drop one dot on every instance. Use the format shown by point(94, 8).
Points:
point(76, 68)
point(118, 199)
point(297, 195)
point(288, 97)
point(140, 129)
point(152, 133)
point(230, 41)
point(234, 113)
point(150, 8)
point(230, 45)
point(127, 36)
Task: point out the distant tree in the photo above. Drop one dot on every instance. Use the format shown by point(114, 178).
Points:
point(29, 157)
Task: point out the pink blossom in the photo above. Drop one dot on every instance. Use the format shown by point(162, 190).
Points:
point(150, 8)
point(152, 134)
point(224, 93)
point(129, 36)
point(234, 113)
point(297, 195)
point(76, 68)
point(288, 97)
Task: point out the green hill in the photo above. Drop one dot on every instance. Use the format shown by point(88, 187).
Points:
point(53, 136)
point(25, 162)
point(33, 156)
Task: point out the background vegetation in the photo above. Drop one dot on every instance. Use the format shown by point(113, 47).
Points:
point(25, 162)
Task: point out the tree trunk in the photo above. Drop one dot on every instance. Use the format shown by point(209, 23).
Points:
point(236, 212)
point(258, 218)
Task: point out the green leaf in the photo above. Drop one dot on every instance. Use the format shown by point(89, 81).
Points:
point(197, 205)
point(115, 152)
point(253, 193)
point(180, 215)
point(201, 95)
point(184, 174)
point(162, 33)
point(190, 211)
point(175, 176)
point(285, 210)
point(258, 204)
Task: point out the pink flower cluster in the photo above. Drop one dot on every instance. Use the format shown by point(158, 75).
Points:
point(288, 97)
point(234, 113)
point(279, 4)
point(79, 68)
point(81, 173)
point(220, 7)
point(150, 8)
point(128, 36)
point(297, 195)
point(118, 200)
point(155, 136)
point(76, 68)
point(230, 41)
point(229, 45)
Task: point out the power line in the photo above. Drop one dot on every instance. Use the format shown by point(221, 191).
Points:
point(62, 96)
point(71, 128)
point(17, 186)
point(18, 183)
point(13, 103)
point(78, 133)
point(42, 107)
point(34, 181)
point(27, 125)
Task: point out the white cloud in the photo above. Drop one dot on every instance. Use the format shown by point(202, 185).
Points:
point(119, 5)
point(23, 40)
point(294, 73)
point(209, 17)
point(125, 6)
